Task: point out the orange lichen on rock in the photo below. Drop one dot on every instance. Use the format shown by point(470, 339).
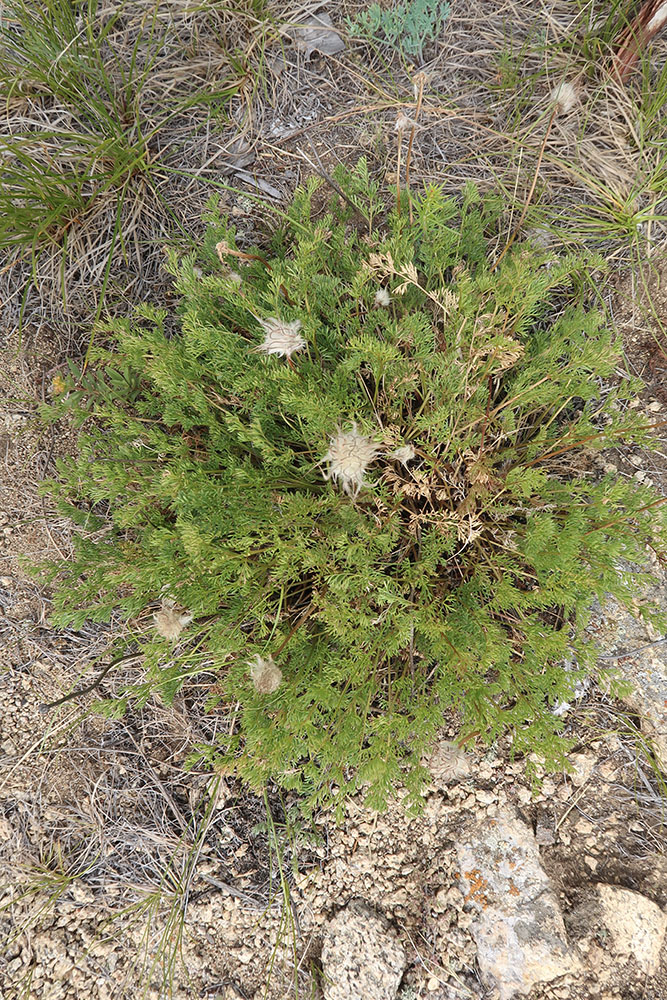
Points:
point(478, 885)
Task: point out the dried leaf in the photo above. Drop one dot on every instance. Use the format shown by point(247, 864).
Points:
point(260, 184)
point(237, 155)
point(317, 34)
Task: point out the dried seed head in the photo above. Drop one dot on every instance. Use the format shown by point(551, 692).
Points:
point(448, 762)
point(419, 81)
point(382, 297)
point(349, 456)
point(565, 97)
point(403, 122)
point(266, 676)
point(222, 249)
point(280, 337)
point(169, 622)
point(404, 454)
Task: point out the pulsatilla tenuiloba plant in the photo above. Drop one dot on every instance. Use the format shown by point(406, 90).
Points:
point(354, 490)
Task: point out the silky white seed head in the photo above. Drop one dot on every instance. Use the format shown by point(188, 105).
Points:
point(403, 122)
point(169, 623)
point(565, 97)
point(281, 338)
point(404, 454)
point(266, 676)
point(382, 297)
point(349, 455)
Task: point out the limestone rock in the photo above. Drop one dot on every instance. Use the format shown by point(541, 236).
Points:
point(636, 924)
point(646, 667)
point(361, 956)
point(518, 927)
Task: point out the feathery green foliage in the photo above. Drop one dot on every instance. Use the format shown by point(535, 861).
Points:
point(449, 562)
point(405, 27)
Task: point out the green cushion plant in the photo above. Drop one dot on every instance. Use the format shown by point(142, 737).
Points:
point(355, 489)
point(406, 26)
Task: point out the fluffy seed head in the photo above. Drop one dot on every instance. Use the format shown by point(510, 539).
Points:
point(169, 623)
point(266, 676)
point(403, 122)
point(404, 454)
point(561, 708)
point(382, 297)
point(565, 97)
point(349, 455)
point(280, 337)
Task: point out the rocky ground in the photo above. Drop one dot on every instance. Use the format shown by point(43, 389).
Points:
point(126, 875)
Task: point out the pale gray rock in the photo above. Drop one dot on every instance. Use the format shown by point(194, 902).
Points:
point(545, 830)
point(318, 34)
point(361, 956)
point(518, 927)
point(645, 665)
point(636, 925)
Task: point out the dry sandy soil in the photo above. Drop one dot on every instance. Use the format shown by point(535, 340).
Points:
point(119, 866)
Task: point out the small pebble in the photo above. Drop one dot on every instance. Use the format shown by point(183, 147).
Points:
point(486, 798)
